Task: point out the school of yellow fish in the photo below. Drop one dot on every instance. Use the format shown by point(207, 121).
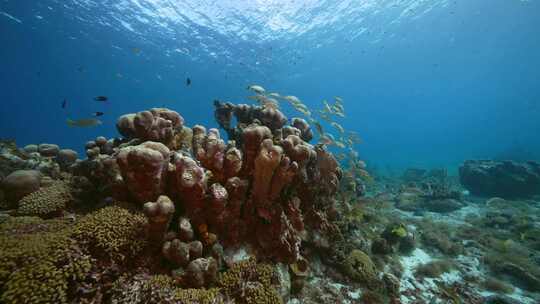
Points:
point(329, 112)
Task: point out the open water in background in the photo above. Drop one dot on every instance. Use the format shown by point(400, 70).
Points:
point(425, 83)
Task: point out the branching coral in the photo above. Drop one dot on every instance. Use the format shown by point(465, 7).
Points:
point(248, 282)
point(38, 261)
point(112, 232)
point(202, 296)
point(46, 201)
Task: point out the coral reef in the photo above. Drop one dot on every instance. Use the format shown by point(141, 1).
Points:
point(269, 183)
point(171, 213)
point(38, 266)
point(505, 179)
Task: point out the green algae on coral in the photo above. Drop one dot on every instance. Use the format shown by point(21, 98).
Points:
point(359, 267)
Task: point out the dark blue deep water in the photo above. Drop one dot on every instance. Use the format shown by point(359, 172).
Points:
point(425, 83)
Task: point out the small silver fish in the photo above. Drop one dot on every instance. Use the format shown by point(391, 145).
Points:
point(257, 89)
point(339, 114)
point(293, 99)
point(86, 122)
point(318, 127)
point(339, 144)
point(354, 138)
point(325, 116)
point(338, 127)
point(327, 108)
point(340, 156)
point(325, 140)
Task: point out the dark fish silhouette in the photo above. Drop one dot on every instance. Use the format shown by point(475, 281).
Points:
point(64, 103)
point(97, 114)
point(188, 81)
point(101, 98)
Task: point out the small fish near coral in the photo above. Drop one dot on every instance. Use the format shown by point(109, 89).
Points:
point(84, 123)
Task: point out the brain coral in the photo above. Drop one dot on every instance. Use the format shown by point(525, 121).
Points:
point(359, 267)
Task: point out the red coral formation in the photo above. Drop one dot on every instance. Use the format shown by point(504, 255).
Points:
point(159, 216)
point(157, 124)
point(191, 183)
point(144, 168)
point(267, 185)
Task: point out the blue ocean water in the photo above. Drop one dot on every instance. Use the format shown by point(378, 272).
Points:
point(425, 83)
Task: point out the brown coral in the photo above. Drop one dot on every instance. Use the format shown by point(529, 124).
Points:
point(159, 216)
point(190, 182)
point(20, 183)
point(144, 168)
point(157, 124)
point(305, 130)
point(253, 136)
point(267, 161)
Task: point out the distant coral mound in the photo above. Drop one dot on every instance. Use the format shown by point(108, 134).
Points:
point(505, 179)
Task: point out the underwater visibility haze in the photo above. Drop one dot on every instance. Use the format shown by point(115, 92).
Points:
point(270, 151)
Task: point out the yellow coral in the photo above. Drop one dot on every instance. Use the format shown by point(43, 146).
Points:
point(400, 231)
point(112, 231)
point(359, 266)
point(200, 296)
point(38, 261)
point(250, 283)
point(46, 200)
